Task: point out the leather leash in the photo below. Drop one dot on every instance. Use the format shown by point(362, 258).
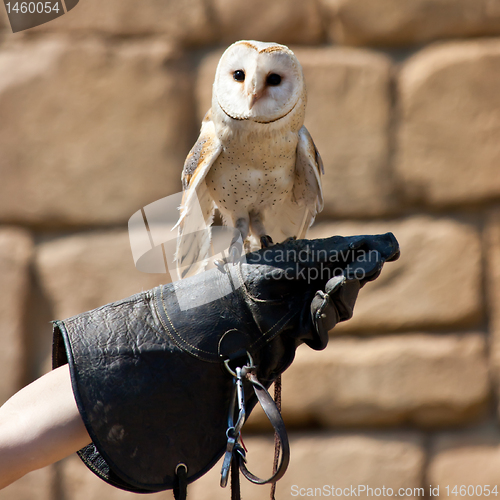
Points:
point(235, 454)
point(277, 400)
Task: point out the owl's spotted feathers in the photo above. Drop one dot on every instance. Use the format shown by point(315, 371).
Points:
point(254, 160)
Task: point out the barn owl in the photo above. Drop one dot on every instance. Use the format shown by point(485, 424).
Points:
point(254, 160)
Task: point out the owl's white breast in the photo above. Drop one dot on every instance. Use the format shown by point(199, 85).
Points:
point(254, 173)
point(256, 168)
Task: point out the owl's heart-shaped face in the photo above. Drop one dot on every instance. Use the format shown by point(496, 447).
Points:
point(258, 81)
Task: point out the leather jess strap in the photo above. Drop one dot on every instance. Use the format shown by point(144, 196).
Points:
point(274, 416)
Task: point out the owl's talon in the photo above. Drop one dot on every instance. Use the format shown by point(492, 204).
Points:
point(219, 264)
point(235, 252)
point(266, 241)
point(291, 238)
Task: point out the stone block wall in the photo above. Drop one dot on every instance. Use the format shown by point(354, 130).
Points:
point(98, 110)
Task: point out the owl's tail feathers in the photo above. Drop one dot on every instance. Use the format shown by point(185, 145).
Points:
point(289, 220)
point(194, 232)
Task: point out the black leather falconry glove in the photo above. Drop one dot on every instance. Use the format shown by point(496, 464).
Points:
point(153, 375)
point(336, 303)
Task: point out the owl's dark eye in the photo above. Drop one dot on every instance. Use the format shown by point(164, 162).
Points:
point(273, 79)
point(239, 75)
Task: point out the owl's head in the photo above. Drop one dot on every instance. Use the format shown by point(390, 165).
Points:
point(258, 81)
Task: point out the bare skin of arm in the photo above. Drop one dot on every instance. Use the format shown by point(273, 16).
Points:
point(39, 425)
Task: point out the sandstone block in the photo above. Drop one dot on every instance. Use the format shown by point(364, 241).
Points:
point(4, 21)
point(16, 249)
point(281, 21)
point(326, 460)
point(79, 483)
point(348, 115)
point(90, 131)
point(185, 22)
point(492, 244)
point(450, 121)
point(38, 484)
point(424, 380)
point(78, 273)
point(390, 22)
point(435, 284)
point(468, 460)
point(85, 271)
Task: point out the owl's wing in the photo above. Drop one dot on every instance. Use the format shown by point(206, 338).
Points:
point(307, 190)
point(197, 208)
point(295, 216)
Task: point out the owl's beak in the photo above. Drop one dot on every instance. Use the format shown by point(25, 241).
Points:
point(253, 97)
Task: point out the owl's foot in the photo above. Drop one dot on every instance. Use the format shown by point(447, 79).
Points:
point(265, 241)
point(291, 238)
point(235, 251)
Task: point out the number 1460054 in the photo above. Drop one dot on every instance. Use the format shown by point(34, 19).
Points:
point(32, 7)
point(472, 491)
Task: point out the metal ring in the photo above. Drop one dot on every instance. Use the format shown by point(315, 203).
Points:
point(232, 372)
point(181, 465)
point(250, 359)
